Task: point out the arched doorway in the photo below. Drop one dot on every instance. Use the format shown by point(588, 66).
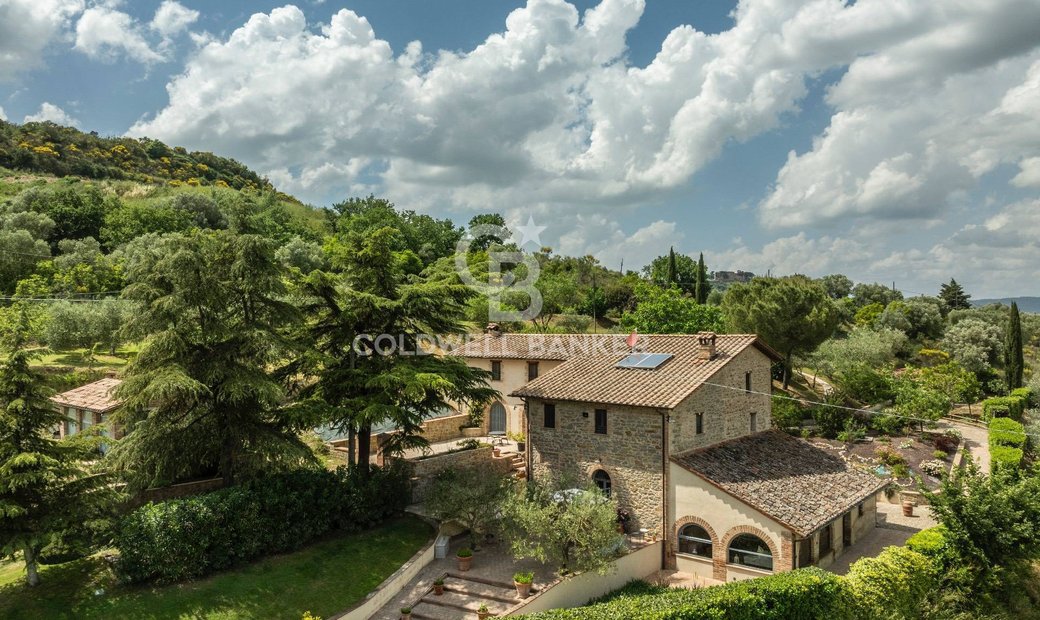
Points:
point(498, 419)
point(602, 480)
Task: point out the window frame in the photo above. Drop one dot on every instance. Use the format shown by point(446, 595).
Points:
point(682, 537)
point(829, 531)
point(747, 382)
point(598, 428)
point(532, 376)
point(747, 552)
point(496, 370)
point(549, 415)
point(754, 421)
point(699, 424)
point(607, 488)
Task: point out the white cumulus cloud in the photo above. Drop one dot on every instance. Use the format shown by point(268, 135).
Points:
point(173, 18)
point(50, 112)
point(3, 116)
point(104, 33)
point(27, 27)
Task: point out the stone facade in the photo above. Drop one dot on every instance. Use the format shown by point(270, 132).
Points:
point(726, 412)
point(424, 470)
point(630, 453)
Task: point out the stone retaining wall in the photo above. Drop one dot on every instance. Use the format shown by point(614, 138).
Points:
point(390, 587)
point(176, 491)
point(426, 469)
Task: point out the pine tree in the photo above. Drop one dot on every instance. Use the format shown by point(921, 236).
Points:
point(954, 296)
point(672, 275)
point(703, 287)
point(201, 395)
point(46, 490)
point(1014, 361)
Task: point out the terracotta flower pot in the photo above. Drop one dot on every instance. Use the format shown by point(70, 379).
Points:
point(523, 590)
point(438, 589)
point(465, 563)
point(498, 452)
point(483, 614)
point(908, 508)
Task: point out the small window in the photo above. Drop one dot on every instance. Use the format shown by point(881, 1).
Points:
point(601, 421)
point(602, 481)
point(859, 510)
point(532, 371)
point(747, 382)
point(700, 423)
point(826, 539)
point(750, 550)
point(496, 370)
point(754, 422)
point(694, 540)
point(549, 412)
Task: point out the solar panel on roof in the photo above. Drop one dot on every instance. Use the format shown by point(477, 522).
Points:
point(644, 361)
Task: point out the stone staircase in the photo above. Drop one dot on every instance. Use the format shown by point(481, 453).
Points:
point(463, 595)
point(518, 466)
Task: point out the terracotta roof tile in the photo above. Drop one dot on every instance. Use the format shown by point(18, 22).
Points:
point(96, 396)
point(788, 479)
point(540, 346)
point(597, 379)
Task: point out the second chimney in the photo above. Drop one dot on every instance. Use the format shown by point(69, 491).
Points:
point(706, 350)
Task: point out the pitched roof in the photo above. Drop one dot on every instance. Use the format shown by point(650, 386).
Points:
point(788, 479)
point(596, 378)
point(96, 396)
point(539, 346)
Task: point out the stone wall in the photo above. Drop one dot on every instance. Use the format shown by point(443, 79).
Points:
point(630, 453)
point(727, 412)
point(424, 470)
point(175, 491)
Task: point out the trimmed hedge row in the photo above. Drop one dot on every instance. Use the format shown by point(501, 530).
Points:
point(191, 537)
point(1007, 441)
point(1012, 406)
point(1004, 457)
point(890, 585)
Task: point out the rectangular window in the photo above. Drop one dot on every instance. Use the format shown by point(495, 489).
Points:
point(747, 382)
point(549, 412)
point(496, 370)
point(754, 422)
point(700, 423)
point(601, 421)
point(859, 510)
point(532, 371)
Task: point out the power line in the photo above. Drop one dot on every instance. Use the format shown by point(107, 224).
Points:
point(843, 407)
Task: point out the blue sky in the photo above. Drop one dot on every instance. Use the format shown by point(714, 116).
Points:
point(889, 140)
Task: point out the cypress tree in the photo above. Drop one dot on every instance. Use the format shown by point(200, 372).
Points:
point(1013, 357)
point(672, 274)
point(702, 288)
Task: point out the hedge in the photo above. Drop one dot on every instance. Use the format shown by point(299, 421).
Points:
point(930, 542)
point(891, 585)
point(188, 538)
point(1012, 406)
point(1006, 432)
point(1001, 457)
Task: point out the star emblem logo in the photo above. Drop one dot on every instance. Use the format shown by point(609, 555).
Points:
point(530, 232)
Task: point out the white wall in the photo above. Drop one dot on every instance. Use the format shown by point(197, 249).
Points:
point(514, 375)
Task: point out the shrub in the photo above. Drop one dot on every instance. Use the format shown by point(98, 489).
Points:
point(940, 455)
point(1005, 406)
point(891, 585)
point(1004, 458)
point(947, 441)
point(888, 456)
point(523, 577)
point(930, 542)
point(934, 468)
point(188, 538)
point(1006, 432)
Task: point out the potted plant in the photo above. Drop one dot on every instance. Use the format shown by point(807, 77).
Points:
point(497, 451)
point(406, 613)
point(520, 439)
point(438, 586)
point(465, 558)
point(522, 581)
point(483, 611)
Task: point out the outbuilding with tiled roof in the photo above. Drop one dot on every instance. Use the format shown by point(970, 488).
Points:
point(87, 405)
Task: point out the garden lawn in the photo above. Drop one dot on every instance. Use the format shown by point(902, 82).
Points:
point(323, 578)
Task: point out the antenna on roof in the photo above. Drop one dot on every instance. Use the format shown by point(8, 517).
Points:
point(632, 339)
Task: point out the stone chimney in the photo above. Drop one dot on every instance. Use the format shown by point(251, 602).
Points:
point(706, 350)
point(493, 329)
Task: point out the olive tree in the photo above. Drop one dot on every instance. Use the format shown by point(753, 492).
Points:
point(471, 497)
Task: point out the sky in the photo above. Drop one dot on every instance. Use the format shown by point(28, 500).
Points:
point(890, 140)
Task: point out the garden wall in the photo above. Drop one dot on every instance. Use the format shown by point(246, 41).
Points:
point(434, 430)
point(424, 470)
point(176, 491)
point(579, 590)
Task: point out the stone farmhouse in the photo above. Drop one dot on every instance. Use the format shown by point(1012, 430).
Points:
point(677, 429)
point(87, 405)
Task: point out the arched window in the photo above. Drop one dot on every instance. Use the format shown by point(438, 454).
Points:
point(602, 480)
point(750, 550)
point(694, 540)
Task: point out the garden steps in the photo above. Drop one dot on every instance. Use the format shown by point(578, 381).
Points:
point(463, 595)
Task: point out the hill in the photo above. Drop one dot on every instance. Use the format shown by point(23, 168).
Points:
point(1025, 304)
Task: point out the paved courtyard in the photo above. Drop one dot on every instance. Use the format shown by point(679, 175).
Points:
point(893, 529)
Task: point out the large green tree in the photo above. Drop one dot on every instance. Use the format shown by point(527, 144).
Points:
point(669, 311)
point(954, 296)
point(427, 237)
point(201, 396)
point(46, 489)
point(1014, 362)
point(367, 324)
point(793, 314)
point(685, 270)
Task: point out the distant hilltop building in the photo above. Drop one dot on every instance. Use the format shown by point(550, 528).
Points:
point(730, 277)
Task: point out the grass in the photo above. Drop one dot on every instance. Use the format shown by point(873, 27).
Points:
point(323, 578)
